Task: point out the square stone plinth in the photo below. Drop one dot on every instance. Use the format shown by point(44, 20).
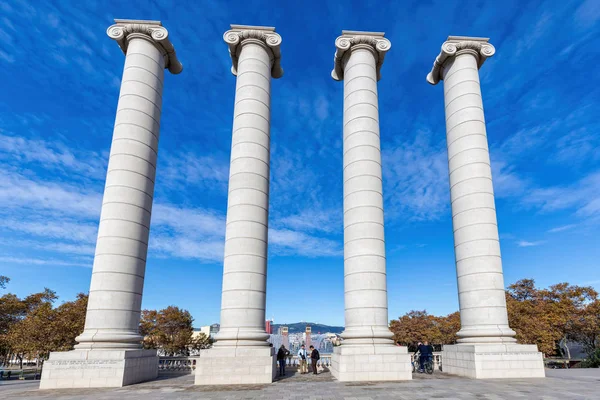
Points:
point(363, 363)
point(488, 361)
point(236, 366)
point(98, 368)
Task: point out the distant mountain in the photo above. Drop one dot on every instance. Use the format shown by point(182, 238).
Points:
point(299, 327)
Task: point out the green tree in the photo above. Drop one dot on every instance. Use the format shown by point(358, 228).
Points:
point(3, 281)
point(170, 330)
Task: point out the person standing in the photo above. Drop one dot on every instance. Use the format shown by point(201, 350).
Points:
point(302, 359)
point(314, 357)
point(281, 359)
point(426, 353)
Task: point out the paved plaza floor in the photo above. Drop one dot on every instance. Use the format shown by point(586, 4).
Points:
point(559, 384)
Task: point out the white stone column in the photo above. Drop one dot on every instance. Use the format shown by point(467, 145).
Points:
point(242, 339)
point(111, 333)
point(358, 62)
point(484, 319)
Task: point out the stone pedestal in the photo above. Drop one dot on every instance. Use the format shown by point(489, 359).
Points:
point(98, 368)
point(371, 363)
point(236, 365)
point(484, 361)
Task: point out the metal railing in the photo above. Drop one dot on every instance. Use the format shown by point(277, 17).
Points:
point(437, 359)
point(176, 365)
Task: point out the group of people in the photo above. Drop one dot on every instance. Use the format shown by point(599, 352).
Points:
point(303, 357)
point(426, 354)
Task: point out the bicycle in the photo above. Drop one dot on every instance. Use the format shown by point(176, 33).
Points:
point(428, 367)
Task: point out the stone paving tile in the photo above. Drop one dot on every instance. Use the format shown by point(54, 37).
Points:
point(563, 385)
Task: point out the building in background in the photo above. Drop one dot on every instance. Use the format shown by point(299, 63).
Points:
point(269, 327)
point(307, 336)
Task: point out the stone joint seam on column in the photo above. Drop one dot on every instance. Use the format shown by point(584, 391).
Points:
point(246, 220)
point(482, 290)
point(250, 127)
point(459, 96)
point(462, 109)
point(139, 126)
point(476, 223)
point(123, 237)
point(256, 86)
point(363, 175)
point(244, 272)
point(142, 97)
point(113, 309)
point(464, 122)
point(248, 188)
point(249, 142)
point(246, 237)
point(459, 83)
point(468, 179)
point(364, 238)
point(361, 145)
point(365, 290)
point(464, 136)
point(470, 308)
point(475, 240)
point(365, 307)
point(141, 112)
point(356, 77)
point(364, 255)
point(254, 72)
point(360, 90)
point(482, 255)
point(120, 255)
point(148, 57)
point(363, 190)
point(470, 194)
point(247, 172)
point(362, 103)
point(129, 187)
point(242, 308)
point(250, 113)
point(362, 206)
point(135, 140)
point(252, 58)
point(469, 149)
point(363, 222)
point(125, 220)
point(365, 272)
point(131, 155)
point(243, 290)
point(247, 204)
point(158, 79)
point(112, 290)
point(245, 255)
point(365, 159)
point(128, 170)
point(361, 131)
point(251, 157)
point(457, 70)
point(117, 272)
point(251, 99)
point(359, 63)
point(129, 204)
point(362, 116)
point(143, 83)
point(482, 272)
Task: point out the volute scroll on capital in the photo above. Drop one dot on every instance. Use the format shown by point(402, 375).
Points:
point(238, 34)
point(124, 29)
point(455, 45)
point(344, 44)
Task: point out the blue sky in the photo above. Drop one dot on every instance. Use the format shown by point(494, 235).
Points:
point(60, 84)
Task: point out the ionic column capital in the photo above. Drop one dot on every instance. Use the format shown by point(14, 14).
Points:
point(126, 29)
point(352, 40)
point(266, 36)
point(456, 45)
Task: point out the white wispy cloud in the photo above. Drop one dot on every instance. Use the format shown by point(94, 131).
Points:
point(562, 228)
point(38, 261)
point(525, 243)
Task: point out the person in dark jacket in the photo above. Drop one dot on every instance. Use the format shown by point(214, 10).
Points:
point(426, 352)
point(314, 357)
point(281, 358)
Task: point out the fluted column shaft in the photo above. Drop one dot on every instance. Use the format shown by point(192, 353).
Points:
point(365, 287)
point(246, 235)
point(481, 289)
point(115, 297)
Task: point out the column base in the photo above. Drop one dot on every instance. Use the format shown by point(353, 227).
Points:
point(362, 363)
point(98, 368)
point(236, 366)
point(491, 361)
